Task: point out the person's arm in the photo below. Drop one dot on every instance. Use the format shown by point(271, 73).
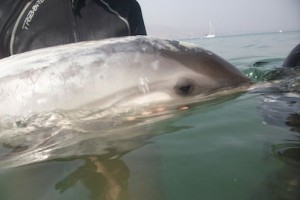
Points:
point(136, 21)
point(131, 11)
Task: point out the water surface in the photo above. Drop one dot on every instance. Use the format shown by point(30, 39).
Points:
point(243, 146)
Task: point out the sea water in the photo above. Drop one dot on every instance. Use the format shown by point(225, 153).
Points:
point(245, 146)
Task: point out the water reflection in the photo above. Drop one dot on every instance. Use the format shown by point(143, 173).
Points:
point(104, 178)
point(293, 121)
point(283, 110)
point(283, 184)
point(289, 152)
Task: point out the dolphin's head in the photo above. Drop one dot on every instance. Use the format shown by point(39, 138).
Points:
point(206, 72)
point(151, 70)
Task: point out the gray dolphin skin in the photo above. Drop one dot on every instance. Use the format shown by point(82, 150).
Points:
point(113, 72)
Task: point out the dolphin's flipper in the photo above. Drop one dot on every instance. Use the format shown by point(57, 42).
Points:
point(293, 59)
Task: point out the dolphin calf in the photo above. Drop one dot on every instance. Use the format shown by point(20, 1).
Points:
point(112, 72)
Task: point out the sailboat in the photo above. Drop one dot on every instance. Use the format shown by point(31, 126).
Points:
point(211, 31)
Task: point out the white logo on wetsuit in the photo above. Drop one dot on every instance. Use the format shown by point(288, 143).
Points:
point(30, 14)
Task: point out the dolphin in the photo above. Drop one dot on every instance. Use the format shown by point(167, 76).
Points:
point(66, 100)
point(115, 72)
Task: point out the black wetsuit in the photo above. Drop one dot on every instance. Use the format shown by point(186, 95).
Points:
point(293, 59)
point(31, 24)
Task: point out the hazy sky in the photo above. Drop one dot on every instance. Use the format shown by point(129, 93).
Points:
point(227, 16)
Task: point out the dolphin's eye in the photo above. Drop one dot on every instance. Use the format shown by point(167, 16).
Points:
point(184, 86)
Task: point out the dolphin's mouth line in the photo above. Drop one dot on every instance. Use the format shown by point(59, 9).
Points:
point(137, 98)
point(130, 97)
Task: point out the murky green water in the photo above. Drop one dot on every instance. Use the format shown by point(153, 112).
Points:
point(230, 148)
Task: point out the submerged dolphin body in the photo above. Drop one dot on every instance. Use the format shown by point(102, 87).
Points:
point(113, 72)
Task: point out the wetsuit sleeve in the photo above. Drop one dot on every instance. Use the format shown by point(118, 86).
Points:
point(136, 21)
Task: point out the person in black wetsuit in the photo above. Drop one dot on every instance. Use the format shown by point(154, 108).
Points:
point(32, 24)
